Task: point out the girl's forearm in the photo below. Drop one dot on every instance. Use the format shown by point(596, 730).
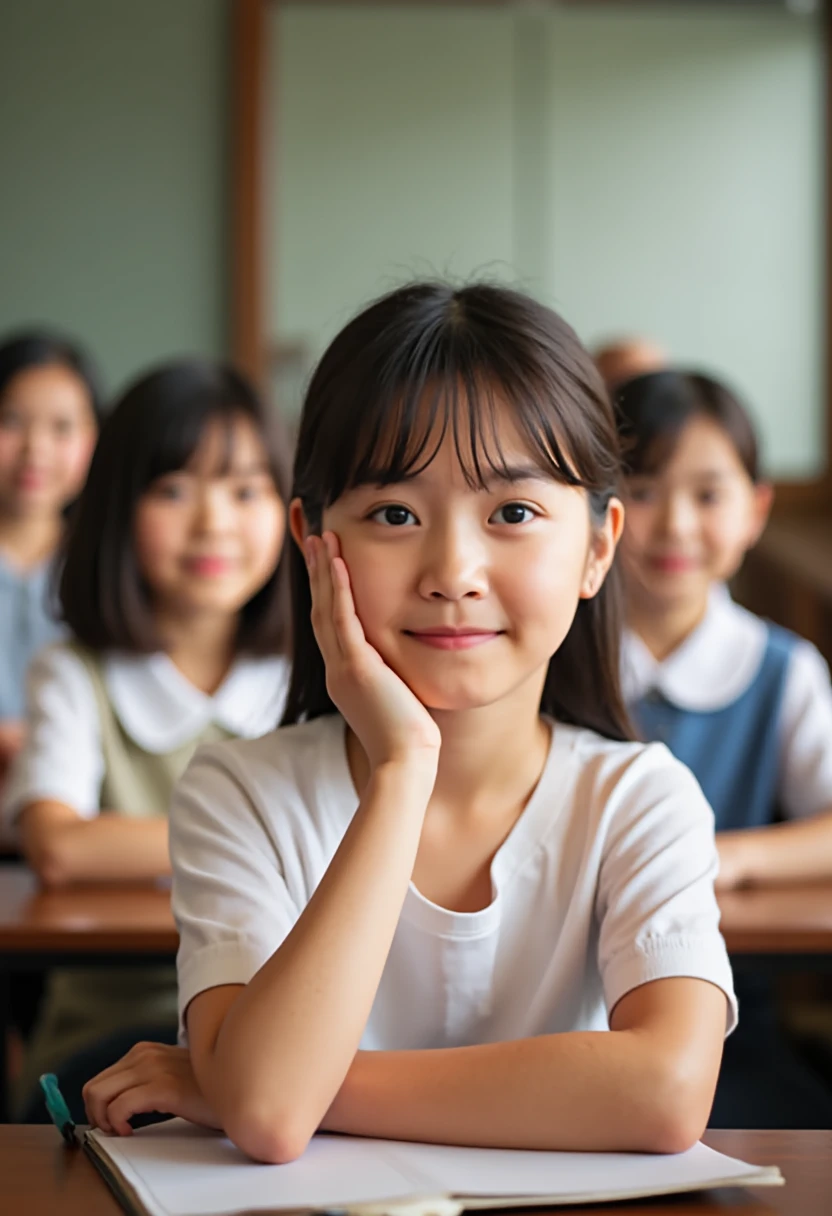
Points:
point(109, 848)
point(286, 1043)
point(605, 1091)
point(797, 851)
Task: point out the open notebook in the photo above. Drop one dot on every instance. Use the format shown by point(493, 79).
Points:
point(176, 1169)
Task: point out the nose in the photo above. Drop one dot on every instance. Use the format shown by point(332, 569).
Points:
point(679, 517)
point(454, 564)
point(36, 441)
point(215, 513)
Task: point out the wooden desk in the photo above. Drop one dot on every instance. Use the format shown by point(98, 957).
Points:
point(101, 922)
point(41, 1178)
point(779, 921)
point(92, 926)
point(85, 921)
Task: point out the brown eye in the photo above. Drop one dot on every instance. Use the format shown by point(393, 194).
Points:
point(513, 513)
point(396, 516)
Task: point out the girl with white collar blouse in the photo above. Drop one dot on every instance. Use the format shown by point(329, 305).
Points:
point(745, 704)
point(173, 587)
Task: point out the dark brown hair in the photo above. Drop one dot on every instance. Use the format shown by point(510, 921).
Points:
point(154, 429)
point(41, 348)
point(654, 409)
point(429, 359)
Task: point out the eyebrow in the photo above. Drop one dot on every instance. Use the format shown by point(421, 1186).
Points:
point(249, 470)
point(696, 475)
point(519, 472)
point(501, 476)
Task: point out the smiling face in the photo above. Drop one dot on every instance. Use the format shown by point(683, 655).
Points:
point(467, 592)
point(690, 524)
point(209, 536)
point(47, 434)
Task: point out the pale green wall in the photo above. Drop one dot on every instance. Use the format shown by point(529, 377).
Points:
point(113, 166)
point(395, 141)
point(641, 171)
point(687, 200)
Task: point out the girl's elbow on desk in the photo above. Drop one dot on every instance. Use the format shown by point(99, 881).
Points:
point(671, 1109)
point(268, 1134)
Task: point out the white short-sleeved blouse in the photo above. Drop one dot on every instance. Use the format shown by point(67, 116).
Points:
point(605, 883)
point(155, 704)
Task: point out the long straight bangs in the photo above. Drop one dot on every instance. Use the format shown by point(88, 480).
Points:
point(156, 428)
point(429, 360)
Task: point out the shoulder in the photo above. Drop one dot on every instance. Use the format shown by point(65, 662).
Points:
point(804, 659)
point(615, 781)
point(64, 664)
point(294, 773)
point(807, 677)
point(613, 762)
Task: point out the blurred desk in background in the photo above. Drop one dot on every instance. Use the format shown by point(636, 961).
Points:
point(83, 926)
point(792, 924)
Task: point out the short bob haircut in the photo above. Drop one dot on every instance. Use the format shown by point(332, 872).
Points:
point(40, 348)
point(429, 360)
point(155, 429)
point(654, 409)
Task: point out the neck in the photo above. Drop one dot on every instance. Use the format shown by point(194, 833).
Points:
point(202, 646)
point(664, 627)
point(491, 758)
point(27, 540)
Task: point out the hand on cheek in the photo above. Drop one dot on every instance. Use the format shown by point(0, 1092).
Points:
point(390, 723)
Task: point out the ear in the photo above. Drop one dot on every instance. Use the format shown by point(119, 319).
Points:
point(763, 500)
point(297, 523)
point(602, 548)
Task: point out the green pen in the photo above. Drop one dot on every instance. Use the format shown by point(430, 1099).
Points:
point(57, 1107)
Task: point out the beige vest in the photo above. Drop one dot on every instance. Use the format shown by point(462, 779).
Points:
point(82, 1006)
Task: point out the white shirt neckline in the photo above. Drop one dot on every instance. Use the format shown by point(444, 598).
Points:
point(710, 669)
point(527, 834)
point(161, 710)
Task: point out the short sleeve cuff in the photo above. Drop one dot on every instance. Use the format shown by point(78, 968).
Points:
point(660, 958)
point(233, 961)
point(19, 796)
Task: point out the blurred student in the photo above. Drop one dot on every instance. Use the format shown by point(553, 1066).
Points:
point(744, 703)
point(50, 405)
point(626, 358)
point(172, 586)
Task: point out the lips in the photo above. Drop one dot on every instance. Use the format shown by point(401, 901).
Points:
point(453, 639)
point(32, 479)
point(209, 566)
point(673, 564)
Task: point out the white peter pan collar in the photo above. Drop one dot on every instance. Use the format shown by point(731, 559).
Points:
point(711, 668)
point(161, 710)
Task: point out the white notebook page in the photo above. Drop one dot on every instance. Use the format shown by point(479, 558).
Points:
point(176, 1169)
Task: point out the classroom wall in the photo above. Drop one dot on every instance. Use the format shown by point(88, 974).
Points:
point(113, 160)
point(702, 215)
point(529, 144)
point(394, 132)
